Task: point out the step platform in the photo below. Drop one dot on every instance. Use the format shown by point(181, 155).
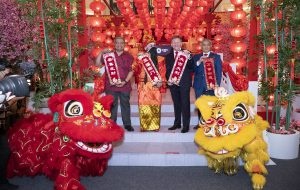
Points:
point(164, 148)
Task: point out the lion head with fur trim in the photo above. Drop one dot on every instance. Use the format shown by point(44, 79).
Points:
point(227, 123)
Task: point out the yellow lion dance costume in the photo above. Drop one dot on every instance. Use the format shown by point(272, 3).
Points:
point(228, 129)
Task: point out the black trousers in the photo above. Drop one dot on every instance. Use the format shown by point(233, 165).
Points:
point(181, 101)
point(125, 106)
point(4, 155)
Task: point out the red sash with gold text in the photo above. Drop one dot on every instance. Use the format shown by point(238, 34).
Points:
point(111, 68)
point(178, 68)
point(150, 68)
point(210, 74)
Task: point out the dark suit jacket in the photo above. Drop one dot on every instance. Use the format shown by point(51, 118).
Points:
point(186, 79)
point(199, 77)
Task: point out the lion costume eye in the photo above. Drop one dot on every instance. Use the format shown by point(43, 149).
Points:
point(240, 113)
point(73, 108)
point(201, 120)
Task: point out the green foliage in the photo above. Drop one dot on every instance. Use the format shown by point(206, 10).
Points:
point(59, 45)
point(286, 25)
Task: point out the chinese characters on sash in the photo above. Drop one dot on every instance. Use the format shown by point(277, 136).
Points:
point(111, 68)
point(178, 68)
point(209, 70)
point(150, 68)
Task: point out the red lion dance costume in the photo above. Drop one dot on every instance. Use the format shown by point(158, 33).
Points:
point(76, 140)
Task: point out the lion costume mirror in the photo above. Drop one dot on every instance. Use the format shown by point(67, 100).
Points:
point(228, 129)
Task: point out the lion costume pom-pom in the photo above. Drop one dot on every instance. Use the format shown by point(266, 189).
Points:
point(76, 140)
point(228, 129)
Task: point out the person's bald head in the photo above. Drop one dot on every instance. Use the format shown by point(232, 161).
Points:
point(206, 45)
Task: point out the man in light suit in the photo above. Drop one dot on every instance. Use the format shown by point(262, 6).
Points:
point(199, 84)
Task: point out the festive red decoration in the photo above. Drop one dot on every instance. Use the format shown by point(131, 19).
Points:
point(97, 22)
point(238, 15)
point(218, 38)
point(238, 2)
point(63, 53)
point(97, 6)
point(239, 82)
point(238, 47)
point(76, 140)
point(238, 31)
point(95, 52)
point(97, 37)
point(271, 49)
point(238, 62)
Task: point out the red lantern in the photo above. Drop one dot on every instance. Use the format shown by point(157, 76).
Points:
point(97, 37)
point(108, 32)
point(238, 15)
point(97, 6)
point(95, 51)
point(238, 31)
point(203, 3)
point(238, 2)
point(126, 48)
point(238, 47)
point(97, 22)
point(108, 40)
point(238, 62)
point(200, 38)
point(63, 53)
point(218, 38)
point(217, 47)
point(271, 49)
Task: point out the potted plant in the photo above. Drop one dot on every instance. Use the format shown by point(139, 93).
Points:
point(281, 62)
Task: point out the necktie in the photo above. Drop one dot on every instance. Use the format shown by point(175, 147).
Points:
point(205, 54)
point(176, 53)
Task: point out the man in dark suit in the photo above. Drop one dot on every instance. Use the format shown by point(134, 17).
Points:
point(180, 94)
point(199, 84)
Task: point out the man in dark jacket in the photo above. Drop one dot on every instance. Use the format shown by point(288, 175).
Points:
point(200, 84)
point(180, 93)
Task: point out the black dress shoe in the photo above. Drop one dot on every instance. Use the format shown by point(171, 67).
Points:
point(196, 127)
point(185, 130)
point(174, 127)
point(8, 186)
point(129, 128)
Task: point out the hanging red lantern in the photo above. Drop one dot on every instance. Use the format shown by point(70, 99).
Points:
point(271, 49)
point(63, 53)
point(108, 41)
point(126, 48)
point(95, 51)
point(97, 37)
point(238, 15)
point(238, 47)
point(200, 38)
point(97, 22)
point(217, 47)
point(238, 31)
point(218, 38)
point(97, 6)
point(238, 62)
point(238, 2)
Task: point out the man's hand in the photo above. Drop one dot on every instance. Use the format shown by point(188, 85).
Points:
point(158, 84)
point(200, 61)
point(212, 86)
point(121, 84)
point(106, 50)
